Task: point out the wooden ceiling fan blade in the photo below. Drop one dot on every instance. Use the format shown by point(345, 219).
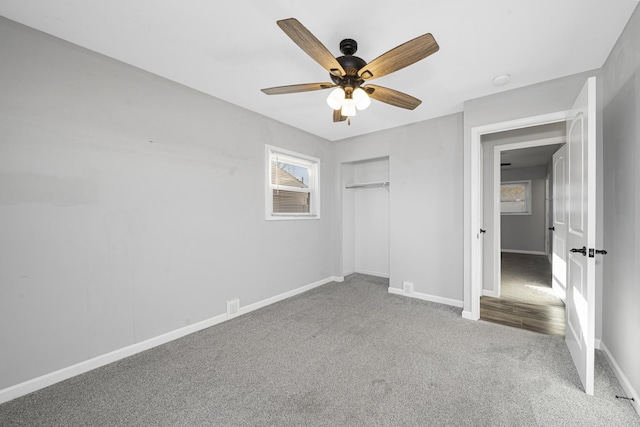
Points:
point(399, 57)
point(310, 44)
point(305, 87)
point(392, 97)
point(337, 116)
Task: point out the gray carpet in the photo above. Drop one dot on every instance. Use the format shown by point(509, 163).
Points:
point(527, 278)
point(344, 354)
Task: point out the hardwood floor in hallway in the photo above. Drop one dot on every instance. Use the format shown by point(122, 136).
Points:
point(527, 300)
point(546, 319)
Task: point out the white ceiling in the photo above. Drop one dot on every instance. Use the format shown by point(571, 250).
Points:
point(232, 49)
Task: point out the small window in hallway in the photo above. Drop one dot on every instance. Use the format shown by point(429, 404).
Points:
point(515, 198)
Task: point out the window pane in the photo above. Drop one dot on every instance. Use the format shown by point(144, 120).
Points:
point(513, 193)
point(291, 202)
point(292, 182)
point(283, 173)
point(514, 197)
point(513, 207)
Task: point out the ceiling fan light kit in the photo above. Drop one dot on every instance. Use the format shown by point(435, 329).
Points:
point(361, 99)
point(349, 73)
point(349, 100)
point(335, 98)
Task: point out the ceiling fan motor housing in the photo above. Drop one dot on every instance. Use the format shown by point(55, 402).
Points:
point(351, 64)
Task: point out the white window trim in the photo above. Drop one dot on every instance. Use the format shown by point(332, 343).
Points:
point(527, 196)
point(292, 157)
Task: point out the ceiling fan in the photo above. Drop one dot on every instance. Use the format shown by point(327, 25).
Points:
point(348, 73)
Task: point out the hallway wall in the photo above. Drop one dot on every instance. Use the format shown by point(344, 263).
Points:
point(526, 233)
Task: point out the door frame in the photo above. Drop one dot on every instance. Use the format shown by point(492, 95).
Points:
point(495, 199)
point(473, 202)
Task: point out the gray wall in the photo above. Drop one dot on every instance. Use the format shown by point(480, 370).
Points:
point(621, 290)
point(131, 206)
point(425, 207)
point(526, 232)
point(348, 223)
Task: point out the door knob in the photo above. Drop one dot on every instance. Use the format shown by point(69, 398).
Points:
point(583, 251)
point(601, 251)
point(483, 231)
point(552, 228)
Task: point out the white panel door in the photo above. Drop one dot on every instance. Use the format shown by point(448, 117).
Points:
point(581, 232)
point(559, 237)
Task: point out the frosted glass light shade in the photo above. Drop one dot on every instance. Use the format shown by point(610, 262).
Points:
point(349, 108)
point(336, 98)
point(361, 99)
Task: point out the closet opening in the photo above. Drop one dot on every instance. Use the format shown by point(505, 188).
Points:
point(365, 217)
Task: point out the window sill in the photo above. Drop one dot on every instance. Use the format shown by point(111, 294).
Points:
point(286, 217)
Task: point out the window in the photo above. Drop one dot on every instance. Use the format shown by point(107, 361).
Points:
point(515, 198)
point(292, 190)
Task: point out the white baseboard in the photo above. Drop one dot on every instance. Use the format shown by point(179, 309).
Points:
point(255, 306)
point(488, 293)
point(469, 316)
point(46, 380)
point(517, 251)
point(367, 272)
point(426, 297)
point(51, 378)
point(622, 378)
point(373, 273)
point(338, 279)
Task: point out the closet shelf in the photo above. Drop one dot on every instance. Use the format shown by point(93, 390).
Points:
point(381, 184)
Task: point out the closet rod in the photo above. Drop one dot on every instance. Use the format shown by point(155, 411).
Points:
point(368, 185)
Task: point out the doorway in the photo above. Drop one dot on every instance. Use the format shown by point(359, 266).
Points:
point(516, 275)
point(581, 215)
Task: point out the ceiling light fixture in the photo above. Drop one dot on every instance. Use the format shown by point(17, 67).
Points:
point(348, 100)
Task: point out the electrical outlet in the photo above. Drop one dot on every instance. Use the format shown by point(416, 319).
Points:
point(407, 287)
point(233, 307)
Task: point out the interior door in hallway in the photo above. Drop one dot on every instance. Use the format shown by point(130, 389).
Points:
point(559, 239)
point(581, 233)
